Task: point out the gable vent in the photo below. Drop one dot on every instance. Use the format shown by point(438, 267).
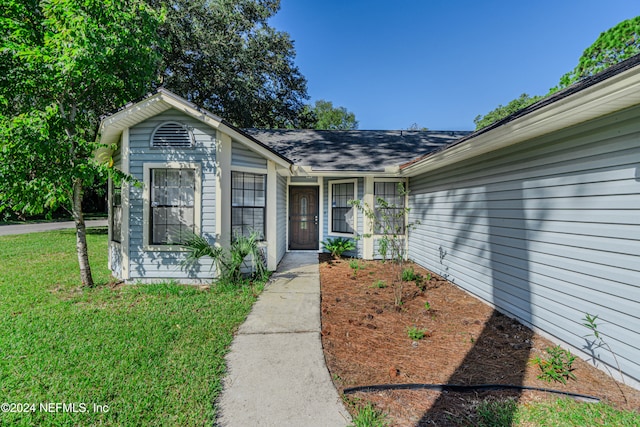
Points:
point(171, 134)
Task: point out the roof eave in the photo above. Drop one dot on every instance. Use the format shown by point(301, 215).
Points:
point(616, 93)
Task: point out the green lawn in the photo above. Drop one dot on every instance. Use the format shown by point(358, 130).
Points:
point(154, 354)
point(560, 413)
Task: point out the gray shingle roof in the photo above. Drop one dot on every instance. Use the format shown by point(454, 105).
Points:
point(354, 150)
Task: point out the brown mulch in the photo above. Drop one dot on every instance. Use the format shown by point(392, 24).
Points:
point(365, 341)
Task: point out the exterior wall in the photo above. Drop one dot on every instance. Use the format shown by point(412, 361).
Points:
point(545, 231)
point(326, 205)
point(243, 157)
point(282, 222)
point(147, 265)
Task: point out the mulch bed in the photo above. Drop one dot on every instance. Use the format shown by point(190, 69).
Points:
point(364, 335)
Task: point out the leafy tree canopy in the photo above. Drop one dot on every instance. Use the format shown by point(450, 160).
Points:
point(613, 46)
point(328, 117)
point(502, 111)
point(224, 56)
point(62, 63)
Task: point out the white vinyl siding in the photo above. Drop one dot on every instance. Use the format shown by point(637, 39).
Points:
point(547, 231)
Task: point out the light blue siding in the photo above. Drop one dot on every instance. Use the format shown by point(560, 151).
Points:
point(243, 156)
point(547, 231)
point(149, 265)
point(281, 209)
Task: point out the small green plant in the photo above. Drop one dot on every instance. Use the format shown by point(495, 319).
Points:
point(339, 245)
point(355, 267)
point(416, 334)
point(557, 366)
point(388, 222)
point(369, 416)
point(380, 284)
point(408, 274)
point(243, 252)
point(590, 323)
point(427, 305)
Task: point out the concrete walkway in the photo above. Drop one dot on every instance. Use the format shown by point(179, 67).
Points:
point(6, 230)
point(276, 370)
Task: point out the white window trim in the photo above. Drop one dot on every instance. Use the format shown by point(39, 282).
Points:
point(404, 182)
point(330, 183)
point(172, 122)
point(146, 196)
point(255, 171)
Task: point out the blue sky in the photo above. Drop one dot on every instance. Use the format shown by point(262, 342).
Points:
point(439, 63)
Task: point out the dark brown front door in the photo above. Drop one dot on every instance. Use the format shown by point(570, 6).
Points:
point(303, 218)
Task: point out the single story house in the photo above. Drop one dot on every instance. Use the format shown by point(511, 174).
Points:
point(538, 214)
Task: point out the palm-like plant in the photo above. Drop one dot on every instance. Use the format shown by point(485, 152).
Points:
point(229, 262)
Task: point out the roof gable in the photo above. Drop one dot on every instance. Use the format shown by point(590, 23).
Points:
point(112, 126)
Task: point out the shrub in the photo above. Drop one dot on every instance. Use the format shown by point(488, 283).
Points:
point(557, 366)
point(355, 266)
point(339, 245)
point(380, 284)
point(416, 334)
point(229, 262)
point(408, 274)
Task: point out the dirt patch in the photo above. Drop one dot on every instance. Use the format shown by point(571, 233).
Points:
point(465, 341)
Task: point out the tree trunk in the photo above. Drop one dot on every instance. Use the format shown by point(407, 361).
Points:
point(81, 235)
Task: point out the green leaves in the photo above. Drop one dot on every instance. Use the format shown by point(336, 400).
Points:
point(64, 63)
point(612, 46)
point(224, 56)
point(333, 118)
point(500, 112)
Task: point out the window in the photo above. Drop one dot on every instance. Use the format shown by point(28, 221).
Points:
point(116, 214)
point(172, 205)
point(171, 134)
point(392, 194)
point(342, 215)
point(248, 201)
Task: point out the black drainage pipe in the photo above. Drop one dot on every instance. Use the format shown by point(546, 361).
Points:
point(467, 388)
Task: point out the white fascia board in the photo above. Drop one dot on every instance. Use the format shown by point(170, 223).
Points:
point(614, 94)
point(391, 172)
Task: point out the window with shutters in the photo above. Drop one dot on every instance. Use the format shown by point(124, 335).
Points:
point(171, 134)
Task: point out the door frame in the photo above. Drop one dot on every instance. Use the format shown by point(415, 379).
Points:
point(320, 184)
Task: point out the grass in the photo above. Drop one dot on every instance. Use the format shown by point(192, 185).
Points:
point(560, 413)
point(154, 354)
point(368, 416)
